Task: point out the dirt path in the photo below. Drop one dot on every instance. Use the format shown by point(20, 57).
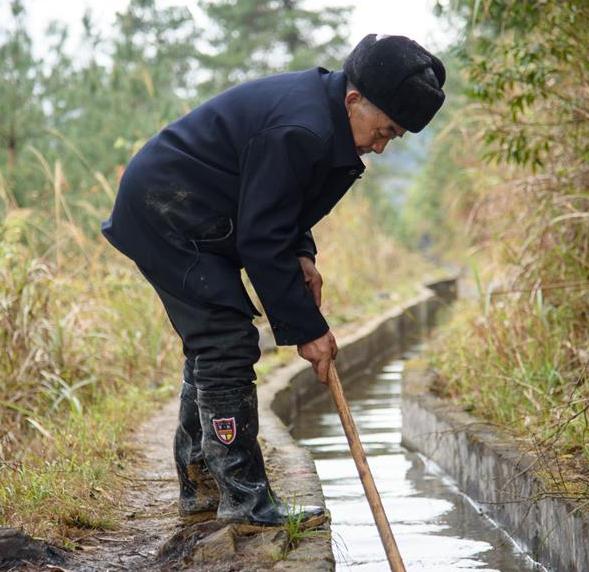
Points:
point(150, 514)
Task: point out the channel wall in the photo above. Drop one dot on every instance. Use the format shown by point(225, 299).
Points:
point(497, 475)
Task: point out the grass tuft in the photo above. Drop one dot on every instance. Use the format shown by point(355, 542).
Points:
point(296, 527)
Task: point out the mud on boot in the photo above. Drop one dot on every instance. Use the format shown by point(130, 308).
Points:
point(229, 420)
point(198, 490)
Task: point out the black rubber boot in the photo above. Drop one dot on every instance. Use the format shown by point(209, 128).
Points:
point(198, 490)
point(229, 420)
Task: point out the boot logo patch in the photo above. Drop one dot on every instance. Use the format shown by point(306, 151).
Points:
point(225, 429)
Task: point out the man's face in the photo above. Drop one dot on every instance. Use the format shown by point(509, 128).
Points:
point(372, 128)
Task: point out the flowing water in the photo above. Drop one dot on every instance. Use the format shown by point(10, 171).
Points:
point(436, 527)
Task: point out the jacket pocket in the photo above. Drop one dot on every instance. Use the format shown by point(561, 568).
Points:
point(216, 236)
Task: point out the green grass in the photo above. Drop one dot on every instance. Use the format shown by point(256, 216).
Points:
point(296, 529)
point(70, 478)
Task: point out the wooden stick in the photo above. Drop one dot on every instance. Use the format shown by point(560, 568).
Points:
point(380, 517)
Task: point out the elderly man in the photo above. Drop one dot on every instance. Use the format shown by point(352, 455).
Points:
point(239, 182)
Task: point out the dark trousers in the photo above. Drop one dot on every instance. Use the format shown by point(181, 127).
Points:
point(220, 343)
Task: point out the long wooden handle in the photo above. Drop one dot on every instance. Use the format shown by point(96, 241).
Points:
point(380, 517)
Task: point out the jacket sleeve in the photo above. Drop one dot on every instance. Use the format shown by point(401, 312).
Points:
point(276, 167)
point(306, 246)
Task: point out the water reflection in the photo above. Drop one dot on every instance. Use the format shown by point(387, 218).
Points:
point(436, 528)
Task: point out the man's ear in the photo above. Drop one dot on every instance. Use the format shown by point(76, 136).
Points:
point(352, 98)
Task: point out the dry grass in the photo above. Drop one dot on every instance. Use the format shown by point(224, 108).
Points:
point(519, 365)
point(518, 357)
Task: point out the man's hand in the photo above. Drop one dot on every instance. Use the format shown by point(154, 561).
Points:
point(313, 279)
point(320, 352)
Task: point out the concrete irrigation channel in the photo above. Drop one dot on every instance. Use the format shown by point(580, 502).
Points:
point(436, 525)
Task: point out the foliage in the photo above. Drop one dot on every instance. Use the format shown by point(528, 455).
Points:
point(297, 529)
point(520, 357)
point(21, 115)
point(536, 69)
point(522, 364)
point(93, 113)
point(84, 357)
point(68, 479)
point(252, 38)
point(152, 61)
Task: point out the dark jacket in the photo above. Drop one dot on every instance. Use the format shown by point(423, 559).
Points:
point(237, 182)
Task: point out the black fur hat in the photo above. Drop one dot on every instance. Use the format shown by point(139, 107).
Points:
point(400, 77)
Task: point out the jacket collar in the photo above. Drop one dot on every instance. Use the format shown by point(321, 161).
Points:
point(344, 150)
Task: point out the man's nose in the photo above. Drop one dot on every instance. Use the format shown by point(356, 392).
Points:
point(379, 146)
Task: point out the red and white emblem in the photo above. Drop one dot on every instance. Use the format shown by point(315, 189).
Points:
point(225, 429)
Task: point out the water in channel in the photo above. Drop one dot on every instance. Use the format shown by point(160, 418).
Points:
point(436, 528)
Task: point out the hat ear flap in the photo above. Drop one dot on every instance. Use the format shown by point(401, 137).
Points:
point(418, 99)
point(439, 70)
